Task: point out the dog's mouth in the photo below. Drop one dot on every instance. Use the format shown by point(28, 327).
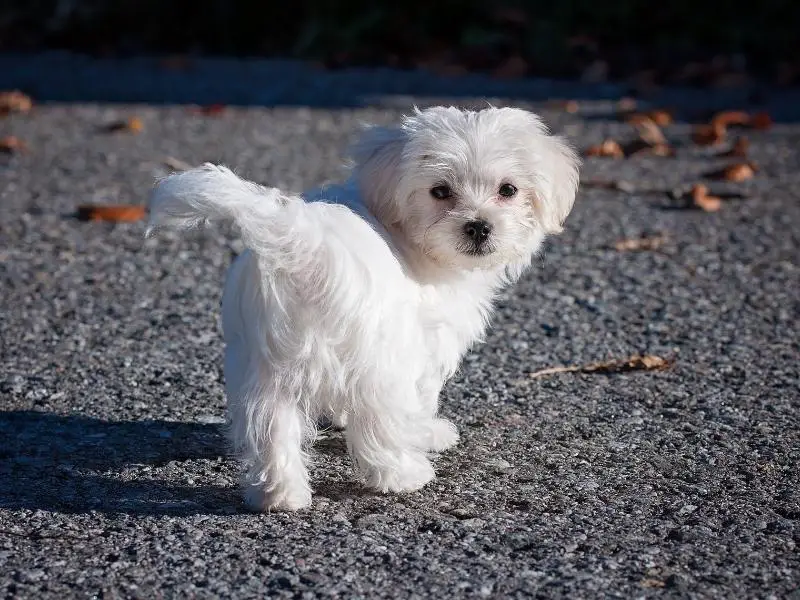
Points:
point(476, 250)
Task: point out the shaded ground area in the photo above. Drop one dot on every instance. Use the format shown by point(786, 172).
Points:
point(702, 43)
point(114, 479)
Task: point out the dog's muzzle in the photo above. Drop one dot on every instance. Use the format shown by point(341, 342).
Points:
point(478, 234)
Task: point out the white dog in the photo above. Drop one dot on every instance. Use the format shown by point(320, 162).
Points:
point(357, 303)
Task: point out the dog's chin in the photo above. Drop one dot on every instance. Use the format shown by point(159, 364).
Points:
point(463, 258)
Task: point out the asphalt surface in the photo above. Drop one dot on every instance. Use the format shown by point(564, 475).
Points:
point(114, 477)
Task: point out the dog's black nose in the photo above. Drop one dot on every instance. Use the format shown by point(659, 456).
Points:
point(478, 231)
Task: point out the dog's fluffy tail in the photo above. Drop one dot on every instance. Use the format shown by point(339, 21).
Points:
point(194, 198)
point(286, 232)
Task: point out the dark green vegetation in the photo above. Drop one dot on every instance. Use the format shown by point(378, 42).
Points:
point(508, 38)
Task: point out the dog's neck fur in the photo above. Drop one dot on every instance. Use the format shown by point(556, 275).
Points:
point(474, 290)
point(426, 271)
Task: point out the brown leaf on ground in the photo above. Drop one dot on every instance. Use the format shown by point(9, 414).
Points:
point(570, 106)
point(210, 110)
point(761, 121)
point(619, 185)
point(14, 101)
point(739, 148)
point(660, 117)
point(176, 164)
point(11, 144)
point(647, 362)
point(652, 583)
point(737, 172)
point(132, 125)
point(702, 200)
point(662, 150)
point(117, 213)
point(708, 135)
point(640, 147)
point(730, 117)
point(647, 129)
point(642, 243)
point(609, 148)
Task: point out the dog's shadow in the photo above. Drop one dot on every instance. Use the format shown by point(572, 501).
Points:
point(77, 464)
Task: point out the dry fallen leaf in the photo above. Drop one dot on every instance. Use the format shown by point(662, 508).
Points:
point(176, 164)
point(210, 110)
point(132, 125)
point(714, 133)
point(730, 117)
point(662, 150)
point(643, 243)
point(701, 199)
point(708, 135)
point(737, 172)
point(739, 148)
point(647, 129)
point(11, 144)
point(570, 106)
point(660, 117)
point(609, 148)
point(761, 121)
point(14, 101)
point(620, 185)
point(117, 213)
point(647, 362)
point(652, 583)
point(640, 147)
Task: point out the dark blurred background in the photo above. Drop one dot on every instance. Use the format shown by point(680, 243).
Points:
point(687, 42)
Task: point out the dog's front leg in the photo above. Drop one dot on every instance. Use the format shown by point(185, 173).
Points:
point(439, 434)
point(383, 437)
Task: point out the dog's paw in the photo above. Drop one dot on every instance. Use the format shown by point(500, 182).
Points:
point(441, 435)
point(280, 498)
point(407, 472)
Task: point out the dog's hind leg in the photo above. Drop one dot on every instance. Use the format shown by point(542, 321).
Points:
point(276, 476)
point(268, 433)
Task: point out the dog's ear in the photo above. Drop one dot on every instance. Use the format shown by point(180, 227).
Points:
point(553, 163)
point(377, 158)
point(560, 178)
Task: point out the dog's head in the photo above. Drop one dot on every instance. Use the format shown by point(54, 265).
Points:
point(468, 189)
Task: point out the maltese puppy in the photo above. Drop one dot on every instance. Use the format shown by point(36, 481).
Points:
point(357, 302)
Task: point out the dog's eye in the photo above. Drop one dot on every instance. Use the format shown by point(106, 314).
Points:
point(441, 192)
point(507, 190)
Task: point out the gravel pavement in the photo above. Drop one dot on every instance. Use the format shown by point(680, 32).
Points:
point(114, 477)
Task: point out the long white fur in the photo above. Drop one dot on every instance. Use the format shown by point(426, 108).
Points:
point(356, 302)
